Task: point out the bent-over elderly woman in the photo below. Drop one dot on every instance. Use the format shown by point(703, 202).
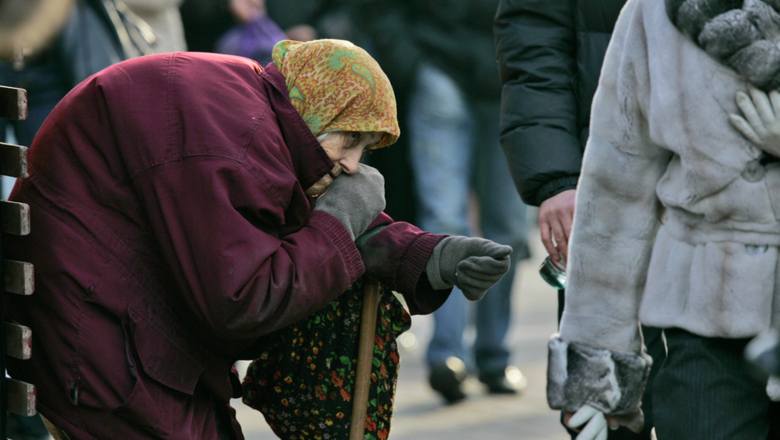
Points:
point(174, 224)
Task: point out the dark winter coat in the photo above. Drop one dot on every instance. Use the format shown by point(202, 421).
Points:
point(550, 55)
point(456, 36)
point(170, 231)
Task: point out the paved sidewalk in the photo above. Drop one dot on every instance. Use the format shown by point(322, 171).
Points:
point(421, 415)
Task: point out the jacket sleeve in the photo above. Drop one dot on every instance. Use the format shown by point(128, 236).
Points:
point(616, 218)
point(217, 225)
point(396, 255)
point(536, 49)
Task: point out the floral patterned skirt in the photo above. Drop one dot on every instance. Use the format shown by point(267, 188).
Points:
point(304, 379)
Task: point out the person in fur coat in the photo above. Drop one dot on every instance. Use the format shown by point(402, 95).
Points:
point(677, 225)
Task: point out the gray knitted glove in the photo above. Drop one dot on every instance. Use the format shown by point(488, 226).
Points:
point(355, 199)
point(472, 264)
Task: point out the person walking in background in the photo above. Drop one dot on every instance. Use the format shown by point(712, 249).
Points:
point(204, 21)
point(441, 54)
point(550, 55)
point(164, 18)
point(88, 42)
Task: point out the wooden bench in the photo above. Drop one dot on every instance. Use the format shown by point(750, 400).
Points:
point(17, 277)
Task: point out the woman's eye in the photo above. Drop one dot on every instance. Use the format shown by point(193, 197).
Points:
point(353, 136)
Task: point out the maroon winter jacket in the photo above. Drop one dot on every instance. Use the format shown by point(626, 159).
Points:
point(170, 231)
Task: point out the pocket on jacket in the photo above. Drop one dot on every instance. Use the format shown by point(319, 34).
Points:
point(164, 374)
point(162, 357)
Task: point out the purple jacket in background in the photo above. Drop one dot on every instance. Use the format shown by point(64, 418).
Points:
point(171, 231)
point(254, 39)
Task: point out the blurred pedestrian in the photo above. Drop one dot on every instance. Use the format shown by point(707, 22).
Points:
point(88, 42)
point(187, 204)
point(442, 55)
point(676, 226)
point(254, 39)
point(550, 56)
point(205, 21)
point(93, 35)
point(164, 18)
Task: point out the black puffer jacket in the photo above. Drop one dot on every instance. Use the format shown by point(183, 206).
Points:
point(550, 55)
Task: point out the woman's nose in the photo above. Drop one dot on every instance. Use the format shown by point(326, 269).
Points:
point(349, 164)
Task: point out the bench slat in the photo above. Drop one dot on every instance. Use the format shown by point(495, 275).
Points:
point(21, 397)
point(18, 341)
point(15, 217)
point(13, 160)
point(13, 103)
point(19, 277)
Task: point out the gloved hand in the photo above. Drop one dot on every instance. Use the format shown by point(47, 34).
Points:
point(355, 199)
point(596, 427)
point(471, 263)
point(761, 124)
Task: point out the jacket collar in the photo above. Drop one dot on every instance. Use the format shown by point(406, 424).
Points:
point(310, 160)
point(740, 35)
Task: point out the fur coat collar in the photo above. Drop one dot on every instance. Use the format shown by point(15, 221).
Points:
point(743, 35)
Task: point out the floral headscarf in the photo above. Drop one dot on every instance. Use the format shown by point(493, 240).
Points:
point(336, 85)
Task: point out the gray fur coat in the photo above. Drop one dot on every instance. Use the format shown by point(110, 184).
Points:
point(677, 221)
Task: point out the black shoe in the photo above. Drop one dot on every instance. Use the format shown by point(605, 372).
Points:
point(447, 379)
point(509, 381)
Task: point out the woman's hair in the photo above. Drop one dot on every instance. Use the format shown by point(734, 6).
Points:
point(337, 86)
point(323, 136)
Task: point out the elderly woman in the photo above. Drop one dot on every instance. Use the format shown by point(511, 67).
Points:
point(171, 202)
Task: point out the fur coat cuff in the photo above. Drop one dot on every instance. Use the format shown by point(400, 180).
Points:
point(612, 382)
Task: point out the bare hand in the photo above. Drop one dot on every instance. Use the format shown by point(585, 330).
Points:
point(584, 422)
point(246, 10)
point(555, 218)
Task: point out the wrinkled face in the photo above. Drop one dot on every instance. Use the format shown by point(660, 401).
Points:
point(344, 148)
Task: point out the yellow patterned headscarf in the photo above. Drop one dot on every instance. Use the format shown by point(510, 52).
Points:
point(336, 85)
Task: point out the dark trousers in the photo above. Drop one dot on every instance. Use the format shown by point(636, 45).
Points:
point(704, 391)
point(654, 342)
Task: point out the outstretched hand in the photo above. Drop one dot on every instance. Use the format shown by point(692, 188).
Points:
point(761, 121)
point(472, 264)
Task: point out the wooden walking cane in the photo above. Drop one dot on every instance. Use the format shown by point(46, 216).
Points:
point(365, 358)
